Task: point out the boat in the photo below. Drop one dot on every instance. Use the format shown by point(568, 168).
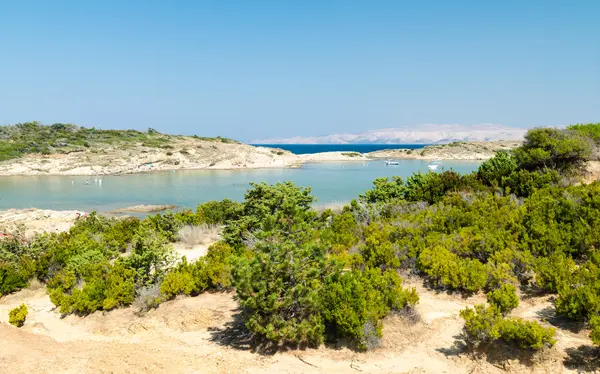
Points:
point(434, 165)
point(391, 162)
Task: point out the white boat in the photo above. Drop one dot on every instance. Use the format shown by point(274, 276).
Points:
point(391, 162)
point(435, 165)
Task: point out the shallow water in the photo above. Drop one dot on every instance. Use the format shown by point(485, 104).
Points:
point(331, 182)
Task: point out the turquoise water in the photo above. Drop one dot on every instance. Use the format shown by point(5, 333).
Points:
point(331, 182)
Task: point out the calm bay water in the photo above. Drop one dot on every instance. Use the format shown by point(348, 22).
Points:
point(301, 149)
point(330, 182)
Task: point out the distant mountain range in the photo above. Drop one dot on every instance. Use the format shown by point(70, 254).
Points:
point(421, 134)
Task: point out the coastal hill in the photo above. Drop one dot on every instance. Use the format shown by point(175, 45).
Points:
point(421, 134)
point(65, 149)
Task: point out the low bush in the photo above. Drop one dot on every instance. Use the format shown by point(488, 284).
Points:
point(486, 325)
point(446, 269)
point(18, 315)
point(209, 272)
point(503, 299)
point(354, 304)
point(219, 212)
point(527, 334)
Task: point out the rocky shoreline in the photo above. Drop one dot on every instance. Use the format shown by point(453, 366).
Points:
point(225, 157)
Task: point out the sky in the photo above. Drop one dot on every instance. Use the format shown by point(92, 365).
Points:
point(256, 69)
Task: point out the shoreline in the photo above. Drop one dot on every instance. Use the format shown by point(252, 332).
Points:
point(240, 157)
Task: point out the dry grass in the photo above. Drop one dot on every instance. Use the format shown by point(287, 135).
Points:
point(203, 234)
point(35, 284)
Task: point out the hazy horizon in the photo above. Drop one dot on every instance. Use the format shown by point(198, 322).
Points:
point(258, 70)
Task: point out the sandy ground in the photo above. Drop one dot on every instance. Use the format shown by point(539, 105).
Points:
point(203, 335)
point(198, 154)
point(593, 171)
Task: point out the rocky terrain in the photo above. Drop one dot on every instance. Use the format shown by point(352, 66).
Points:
point(451, 151)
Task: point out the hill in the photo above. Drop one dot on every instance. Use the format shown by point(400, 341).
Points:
point(64, 149)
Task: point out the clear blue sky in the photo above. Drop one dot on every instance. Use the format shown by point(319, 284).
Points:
point(252, 69)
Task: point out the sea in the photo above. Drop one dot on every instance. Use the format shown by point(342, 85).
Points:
point(301, 149)
point(332, 183)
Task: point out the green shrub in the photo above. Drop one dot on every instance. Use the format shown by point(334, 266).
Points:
point(481, 324)
point(524, 183)
point(180, 282)
point(554, 271)
point(355, 302)
point(504, 299)
point(210, 272)
point(595, 333)
point(102, 287)
point(378, 250)
point(17, 316)
point(279, 288)
point(492, 171)
point(446, 269)
point(219, 212)
point(12, 278)
point(556, 149)
point(486, 325)
point(527, 334)
point(385, 190)
point(150, 257)
point(590, 130)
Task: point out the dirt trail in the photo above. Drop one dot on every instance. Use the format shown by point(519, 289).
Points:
point(202, 335)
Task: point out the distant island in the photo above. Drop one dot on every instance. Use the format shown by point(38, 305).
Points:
point(421, 134)
point(32, 148)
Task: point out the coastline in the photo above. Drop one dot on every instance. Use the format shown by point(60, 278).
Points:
point(227, 157)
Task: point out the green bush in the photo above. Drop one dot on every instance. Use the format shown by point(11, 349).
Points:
point(12, 278)
point(378, 250)
point(595, 333)
point(385, 190)
point(219, 212)
point(590, 130)
point(355, 302)
point(523, 183)
point(150, 257)
point(446, 269)
point(210, 272)
point(486, 325)
point(555, 149)
point(492, 171)
point(481, 324)
point(279, 288)
point(554, 271)
point(527, 334)
point(503, 299)
point(18, 315)
point(103, 287)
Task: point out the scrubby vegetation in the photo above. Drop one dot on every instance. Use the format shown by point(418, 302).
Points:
point(18, 315)
point(33, 137)
point(303, 276)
